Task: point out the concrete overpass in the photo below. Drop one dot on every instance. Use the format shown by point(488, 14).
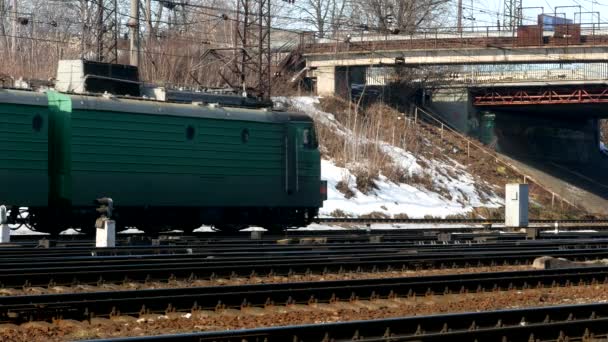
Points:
point(538, 104)
point(328, 59)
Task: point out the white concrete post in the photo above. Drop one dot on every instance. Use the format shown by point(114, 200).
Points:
point(326, 81)
point(516, 205)
point(106, 235)
point(5, 230)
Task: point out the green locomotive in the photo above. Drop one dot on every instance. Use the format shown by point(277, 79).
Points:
point(164, 165)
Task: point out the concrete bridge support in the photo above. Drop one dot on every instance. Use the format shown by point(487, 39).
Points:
point(326, 80)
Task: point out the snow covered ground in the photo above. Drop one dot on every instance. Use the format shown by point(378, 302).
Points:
point(391, 198)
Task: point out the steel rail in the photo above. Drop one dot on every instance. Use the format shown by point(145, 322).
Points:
point(437, 250)
point(278, 249)
point(209, 269)
point(556, 323)
point(83, 306)
point(20, 260)
point(451, 221)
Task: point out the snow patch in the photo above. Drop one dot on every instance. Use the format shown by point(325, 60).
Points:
point(131, 231)
point(204, 229)
point(70, 231)
point(23, 230)
point(254, 229)
point(603, 148)
point(318, 227)
point(460, 195)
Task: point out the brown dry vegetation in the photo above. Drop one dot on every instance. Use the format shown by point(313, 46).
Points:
point(381, 123)
point(365, 159)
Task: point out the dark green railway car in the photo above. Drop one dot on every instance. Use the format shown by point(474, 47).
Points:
point(24, 147)
point(163, 164)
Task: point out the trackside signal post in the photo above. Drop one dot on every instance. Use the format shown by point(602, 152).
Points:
point(104, 226)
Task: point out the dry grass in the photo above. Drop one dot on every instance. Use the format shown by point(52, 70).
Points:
point(380, 123)
point(362, 152)
point(343, 187)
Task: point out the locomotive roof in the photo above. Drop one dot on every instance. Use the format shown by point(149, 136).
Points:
point(23, 97)
point(128, 105)
point(143, 106)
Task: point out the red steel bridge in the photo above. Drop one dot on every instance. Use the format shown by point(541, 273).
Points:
point(555, 96)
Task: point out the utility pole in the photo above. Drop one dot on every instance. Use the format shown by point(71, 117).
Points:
point(83, 19)
point(264, 67)
point(134, 33)
point(100, 30)
point(252, 41)
point(4, 41)
point(241, 33)
point(14, 29)
point(149, 20)
point(459, 15)
point(250, 67)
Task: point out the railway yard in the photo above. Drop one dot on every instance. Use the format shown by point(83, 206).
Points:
point(460, 282)
point(303, 171)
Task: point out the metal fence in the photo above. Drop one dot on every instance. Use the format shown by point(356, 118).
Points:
point(478, 36)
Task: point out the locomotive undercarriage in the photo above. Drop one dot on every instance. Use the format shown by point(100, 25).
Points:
point(159, 219)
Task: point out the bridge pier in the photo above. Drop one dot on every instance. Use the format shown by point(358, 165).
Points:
point(326, 80)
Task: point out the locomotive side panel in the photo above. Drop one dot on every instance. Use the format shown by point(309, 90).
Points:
point(23, 145)
point(168, 159)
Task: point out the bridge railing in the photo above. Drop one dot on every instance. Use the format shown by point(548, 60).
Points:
point(427, 38)
point(473, 146)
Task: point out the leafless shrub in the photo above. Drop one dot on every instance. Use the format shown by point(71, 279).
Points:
point(375, 215)
point(338, 213)
point(365, 180)
point(342, 186)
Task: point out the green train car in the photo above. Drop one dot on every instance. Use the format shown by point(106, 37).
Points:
point(164, 165)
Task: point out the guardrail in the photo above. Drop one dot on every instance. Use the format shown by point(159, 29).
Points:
point(474, 37)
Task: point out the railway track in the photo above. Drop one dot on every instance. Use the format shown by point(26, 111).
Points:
point(33, 271)
point(558, 323)
point(84, 306)
point(229, 248)
point(450, 221)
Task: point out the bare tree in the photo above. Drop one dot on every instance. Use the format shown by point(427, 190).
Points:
point(324, 15)
point(403, 16)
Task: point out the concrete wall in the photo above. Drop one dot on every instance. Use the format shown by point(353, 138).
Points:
point(452, 105)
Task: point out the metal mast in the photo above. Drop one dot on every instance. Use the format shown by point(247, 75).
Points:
point(253, 26)
point(459, 16)
point(512, 14)
point(14, 27)
point(106, 32)
point(134, 33)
